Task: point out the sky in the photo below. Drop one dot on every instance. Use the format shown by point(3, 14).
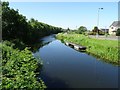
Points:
point(70, 14)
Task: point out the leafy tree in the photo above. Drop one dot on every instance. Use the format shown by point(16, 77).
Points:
point(16, 26)
point(19, 66)
point(68, 29)
point(40, 29)
point(0, 21)
point(82, 30)
point(96, 30)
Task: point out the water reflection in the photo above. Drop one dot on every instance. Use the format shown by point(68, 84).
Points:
point(35, 47)
point(64, 67)
point(53, 82)
point(98, 57)
point(44, 41)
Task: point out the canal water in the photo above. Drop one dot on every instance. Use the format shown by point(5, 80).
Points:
point(64, 67)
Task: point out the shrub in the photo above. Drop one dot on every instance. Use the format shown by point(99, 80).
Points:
point(19, 69)
point(118, 32)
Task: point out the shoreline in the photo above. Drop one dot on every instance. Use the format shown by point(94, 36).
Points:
point(104, 51)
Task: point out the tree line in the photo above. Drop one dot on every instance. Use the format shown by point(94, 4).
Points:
point(94, 31)
point(16, 27)
point(19, 67)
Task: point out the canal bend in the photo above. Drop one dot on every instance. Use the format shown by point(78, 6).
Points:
point(64, 67)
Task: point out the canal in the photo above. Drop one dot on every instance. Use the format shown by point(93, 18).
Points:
point(64, 67)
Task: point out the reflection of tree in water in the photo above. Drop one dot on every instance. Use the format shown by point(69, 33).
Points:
point(51, 82)
point(35, 47)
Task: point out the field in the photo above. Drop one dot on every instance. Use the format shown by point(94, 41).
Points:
point(105, 49)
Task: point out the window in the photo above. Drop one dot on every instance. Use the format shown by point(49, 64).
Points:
point(111, 27)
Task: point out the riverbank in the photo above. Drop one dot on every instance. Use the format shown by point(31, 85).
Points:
point(73, 69)
point(19, 69)
point(18, 33)
point(105, 49)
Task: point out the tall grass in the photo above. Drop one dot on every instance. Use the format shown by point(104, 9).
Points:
point(105, 49)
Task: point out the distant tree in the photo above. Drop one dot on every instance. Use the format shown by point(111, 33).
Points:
point(68, 29)
point(96, 30)
point(82, 30)
point(118, 32)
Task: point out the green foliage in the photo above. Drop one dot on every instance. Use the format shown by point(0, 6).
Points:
point(96, 31)
point(19, 66)
point(81, 30)
point(101, 33)
point(68, 29)
point(92, 33)
point(19, 69)
point(118, 32)
point(106, 49)
point(39, 29)
point(16, 26)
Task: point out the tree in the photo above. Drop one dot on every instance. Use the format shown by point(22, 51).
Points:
point(82, 30)
point(96, 30)
point(68, 29)
point(16, 26)
point(118, 32)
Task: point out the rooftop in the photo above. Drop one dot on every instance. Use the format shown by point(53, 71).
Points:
point(116, 24)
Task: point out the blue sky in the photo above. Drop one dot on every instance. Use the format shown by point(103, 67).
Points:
point(69, 14)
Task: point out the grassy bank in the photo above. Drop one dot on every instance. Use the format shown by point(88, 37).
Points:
point(105, 49)
point(19, 69)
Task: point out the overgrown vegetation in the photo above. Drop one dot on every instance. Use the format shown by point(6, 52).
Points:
point(16, 26)
point(19, 69)
point(18, 64)
point(81, 30)
point(106, 49)
point(96, 31)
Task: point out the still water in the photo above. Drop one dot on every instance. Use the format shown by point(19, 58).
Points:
point(64, 67)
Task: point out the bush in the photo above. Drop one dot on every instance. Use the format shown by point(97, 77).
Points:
point(91, 33)
point(118, 32)
point(19, 69)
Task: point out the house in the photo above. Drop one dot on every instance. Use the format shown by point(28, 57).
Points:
point(113, 27)
point(104, 30)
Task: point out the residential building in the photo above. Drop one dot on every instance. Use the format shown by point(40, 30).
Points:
point(104, 30)
point(113, 27)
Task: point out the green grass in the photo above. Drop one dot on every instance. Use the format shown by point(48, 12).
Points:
point(19, 70)
point(105, 49)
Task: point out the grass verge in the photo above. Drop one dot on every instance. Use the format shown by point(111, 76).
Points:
point(105, 49)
